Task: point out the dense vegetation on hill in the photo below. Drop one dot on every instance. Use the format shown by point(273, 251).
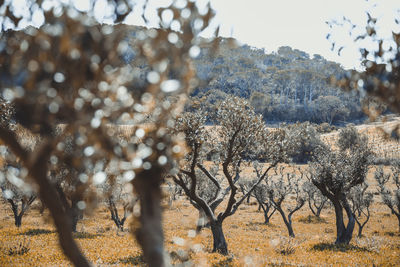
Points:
point(287, 85)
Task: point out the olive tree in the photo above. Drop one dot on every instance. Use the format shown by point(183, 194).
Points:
point(329, 108)
point(335, 173)
point(361, 201)
point(116, 193)
point(244, 187)
point(279, 190)
point(261, 195)
point(240, 134)
point(315, 199)
point(303, 139)
point(390, 197)
point(67, 183)
point(14, 190)
point(71, 70)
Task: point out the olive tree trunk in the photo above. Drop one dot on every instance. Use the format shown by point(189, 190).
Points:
point(219, 242)
point(343, 233)
point(150, 233)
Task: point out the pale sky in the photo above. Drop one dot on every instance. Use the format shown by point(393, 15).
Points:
point(270, 24)
point(300, 24)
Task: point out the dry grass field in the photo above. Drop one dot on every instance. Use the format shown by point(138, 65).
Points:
point(250, 242)
point(378, 136)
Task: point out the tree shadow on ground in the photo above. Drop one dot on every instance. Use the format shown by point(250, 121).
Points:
point(323, 246)
point(312, 219)
point(33, 232)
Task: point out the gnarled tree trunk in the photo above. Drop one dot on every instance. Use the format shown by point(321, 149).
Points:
point(76, 215)
point(219, 242)
point(287, 223)
point(62, 221)
point(24, 207)
point(343, 233)
point(119, 222)
point(150, 233)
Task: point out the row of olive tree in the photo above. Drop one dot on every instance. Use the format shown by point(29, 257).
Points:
point(241, 138)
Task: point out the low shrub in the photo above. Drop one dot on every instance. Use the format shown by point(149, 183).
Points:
point(312, 219)
point(20, 248)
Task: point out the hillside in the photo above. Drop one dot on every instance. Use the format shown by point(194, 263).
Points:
point(378, 136)
point(288, 85)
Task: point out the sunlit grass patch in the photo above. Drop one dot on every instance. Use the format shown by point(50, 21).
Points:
point(281, 264)
point(109, 249)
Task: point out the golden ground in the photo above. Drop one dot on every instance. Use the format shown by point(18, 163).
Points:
point(250, 242)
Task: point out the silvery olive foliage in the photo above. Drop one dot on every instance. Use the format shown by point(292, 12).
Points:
point(279, 187)
point(261, 195)
point(73, 71)
point(390, 197)
point(6, 112)
point(315, 199)
point(116, 192)
point(239, 136)
point(303, 140)
point(361, 201)
point(349, 137)
point(335, 173)
point(339, 171)
point(19, 194)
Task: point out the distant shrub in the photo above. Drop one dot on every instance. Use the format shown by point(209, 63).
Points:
point(227, 262)
point(303, 141)
point(325, 128)
point(349, 137)
point(286, 246)
point(372, 244)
